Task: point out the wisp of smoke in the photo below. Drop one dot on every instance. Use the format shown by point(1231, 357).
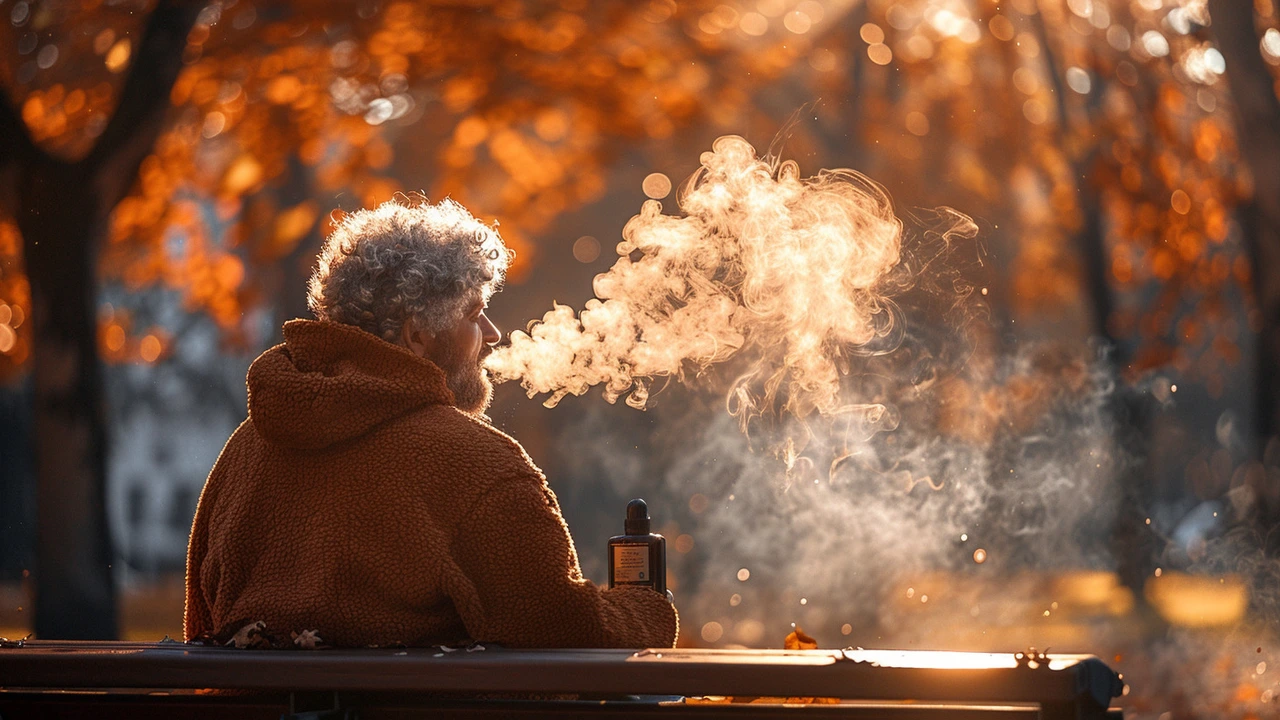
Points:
point(789, 277)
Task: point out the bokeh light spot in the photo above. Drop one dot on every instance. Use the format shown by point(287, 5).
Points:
point(917, 123)
point(656, 185)
point(150, 348)
point(797, 22)
point(822, 60)
point(1001, 28)
point(880, 54)
point(754, 24)
point(1180, 201)
point(698, 503)
point(118, 56)
point(1271, 43)
point(1078, 80)
point(47, 56)
point(114, 337)
point(586, 249)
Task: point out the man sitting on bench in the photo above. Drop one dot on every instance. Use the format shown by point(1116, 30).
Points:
point(367, 500)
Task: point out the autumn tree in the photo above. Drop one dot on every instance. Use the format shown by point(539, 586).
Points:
point(60, 207)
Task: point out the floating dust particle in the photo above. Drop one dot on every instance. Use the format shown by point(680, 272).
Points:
point(924, 598)
point(804, 601)
point(979, 556)
point(744, 574)
point(735, 600)
point(1159, 572)
point(911, 592)
point(1261, 668)
point(846, 629)
point(964, 537)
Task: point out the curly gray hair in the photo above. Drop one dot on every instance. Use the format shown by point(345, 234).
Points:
point(406, 260)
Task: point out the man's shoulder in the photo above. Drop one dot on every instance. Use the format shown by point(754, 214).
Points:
point(469, 439)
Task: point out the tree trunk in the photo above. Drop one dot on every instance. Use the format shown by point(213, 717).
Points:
point(1257, 120)
point(74, 591)
point(61, 213)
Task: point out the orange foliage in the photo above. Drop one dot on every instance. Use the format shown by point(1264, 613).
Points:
point(1027, 114)
point(515, 110)
point(1014, 112)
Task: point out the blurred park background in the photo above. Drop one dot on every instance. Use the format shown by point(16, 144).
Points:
point(168, 169)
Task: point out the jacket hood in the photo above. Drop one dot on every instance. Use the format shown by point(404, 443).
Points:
point(329, 382)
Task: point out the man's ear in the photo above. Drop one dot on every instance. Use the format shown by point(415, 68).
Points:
point(418, 341)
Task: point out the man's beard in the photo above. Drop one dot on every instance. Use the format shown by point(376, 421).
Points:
point(466, 379)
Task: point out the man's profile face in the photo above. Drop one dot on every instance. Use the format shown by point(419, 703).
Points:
point(460, 352)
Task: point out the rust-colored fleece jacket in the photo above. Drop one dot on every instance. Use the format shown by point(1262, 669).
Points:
point(358, 503)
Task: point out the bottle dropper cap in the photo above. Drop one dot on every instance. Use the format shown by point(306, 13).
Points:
point(637, 518)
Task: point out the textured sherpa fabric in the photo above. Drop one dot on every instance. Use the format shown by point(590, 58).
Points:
point(357, 504)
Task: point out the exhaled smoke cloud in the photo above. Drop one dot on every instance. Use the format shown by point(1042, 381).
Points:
point(790, 277)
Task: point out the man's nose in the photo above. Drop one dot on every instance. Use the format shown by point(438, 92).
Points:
point(489, 331)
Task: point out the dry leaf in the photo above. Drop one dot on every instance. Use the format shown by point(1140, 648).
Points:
point(307, 639)
point(798, 640)
point(249, 636)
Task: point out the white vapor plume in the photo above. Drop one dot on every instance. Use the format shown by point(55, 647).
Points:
point(790, 277)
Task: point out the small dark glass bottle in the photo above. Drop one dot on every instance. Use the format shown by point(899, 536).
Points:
point(638, 557)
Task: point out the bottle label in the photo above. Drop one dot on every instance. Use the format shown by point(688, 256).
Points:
point(631, 564)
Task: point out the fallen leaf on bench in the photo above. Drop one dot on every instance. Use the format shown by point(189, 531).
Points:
point(307, 639)
point(798, 640)
point(250, 636)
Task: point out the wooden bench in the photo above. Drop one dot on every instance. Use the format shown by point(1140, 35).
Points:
point(50, 679)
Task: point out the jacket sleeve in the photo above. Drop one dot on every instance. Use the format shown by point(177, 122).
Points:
point(522, 586)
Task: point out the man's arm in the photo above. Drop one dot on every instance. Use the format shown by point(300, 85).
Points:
point(522, 586)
